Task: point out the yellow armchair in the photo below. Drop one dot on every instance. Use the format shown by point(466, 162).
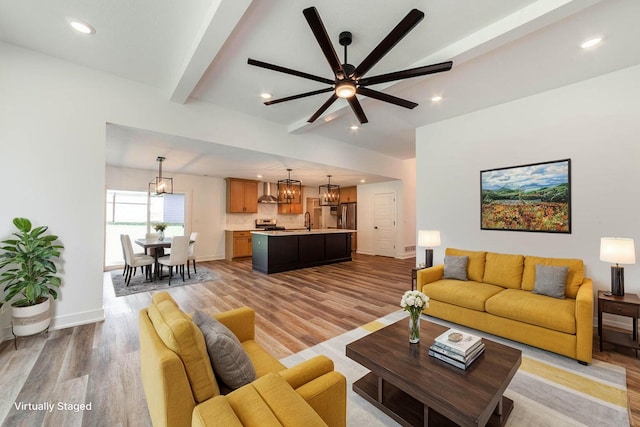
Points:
point(174, 374)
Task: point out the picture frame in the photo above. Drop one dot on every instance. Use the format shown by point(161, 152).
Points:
point(534, 197)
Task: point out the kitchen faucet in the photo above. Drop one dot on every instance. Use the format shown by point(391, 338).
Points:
point(307, 221)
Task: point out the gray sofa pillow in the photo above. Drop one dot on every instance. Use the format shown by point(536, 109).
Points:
point(550, 280)
point(230, 362)
point(455, 267)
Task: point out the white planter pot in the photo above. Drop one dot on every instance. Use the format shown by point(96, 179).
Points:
point(31, 320)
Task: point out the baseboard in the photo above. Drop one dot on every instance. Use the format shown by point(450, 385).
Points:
point(63, 322)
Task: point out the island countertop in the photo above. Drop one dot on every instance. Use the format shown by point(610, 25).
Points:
point(299, 232)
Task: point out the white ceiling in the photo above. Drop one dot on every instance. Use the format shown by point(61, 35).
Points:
point(501, 49)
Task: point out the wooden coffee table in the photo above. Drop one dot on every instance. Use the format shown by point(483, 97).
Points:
point(415, 389)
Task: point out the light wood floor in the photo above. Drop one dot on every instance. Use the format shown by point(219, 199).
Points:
point(99, 363)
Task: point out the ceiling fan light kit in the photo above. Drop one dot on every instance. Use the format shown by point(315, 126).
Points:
point(348, 80)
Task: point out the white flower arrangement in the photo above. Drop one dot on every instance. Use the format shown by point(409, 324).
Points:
point(414, 302)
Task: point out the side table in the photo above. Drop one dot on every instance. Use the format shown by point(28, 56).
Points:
point(414, 277)
point(627, 305)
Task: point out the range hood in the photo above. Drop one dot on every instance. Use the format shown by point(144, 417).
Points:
point(267, 197)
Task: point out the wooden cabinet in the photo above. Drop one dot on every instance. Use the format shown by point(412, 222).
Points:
point(242, 196)
point(290, 208)
point(290, 251)
point(238, 244)
point(348, 194)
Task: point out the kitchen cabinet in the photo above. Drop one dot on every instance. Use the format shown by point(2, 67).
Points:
point(242, 196)
point(290, 208)
point(238, 244)
point(276, 251)
point(348, 194)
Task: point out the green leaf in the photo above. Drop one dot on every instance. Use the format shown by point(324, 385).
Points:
point(22, 224)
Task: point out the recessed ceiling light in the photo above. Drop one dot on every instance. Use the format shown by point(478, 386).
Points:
point(362, 181)
point(436, 98)
point(80, 26)
point(354, 127)
point(265, 95)
point(258, 176)
point(591, 42)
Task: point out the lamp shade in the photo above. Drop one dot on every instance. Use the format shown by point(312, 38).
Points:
point(617, 250)
point(429, 238)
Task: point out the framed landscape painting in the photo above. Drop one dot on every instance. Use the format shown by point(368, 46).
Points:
point(534, 197)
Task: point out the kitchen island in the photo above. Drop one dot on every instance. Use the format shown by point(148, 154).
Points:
point(276, 251)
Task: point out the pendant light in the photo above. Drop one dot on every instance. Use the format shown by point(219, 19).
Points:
point(329, 194)
point(161, 184)
point(289, 190)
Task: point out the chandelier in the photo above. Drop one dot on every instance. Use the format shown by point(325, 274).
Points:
point(329, 194)
point(161, 185)
point(289, 190)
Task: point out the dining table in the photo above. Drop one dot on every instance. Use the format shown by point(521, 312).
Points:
point(154, 242)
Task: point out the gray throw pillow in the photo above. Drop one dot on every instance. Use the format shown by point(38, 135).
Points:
point(455, 267)
point(230, 362)
point(550, 280)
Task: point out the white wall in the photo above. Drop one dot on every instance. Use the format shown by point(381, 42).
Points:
point(595, 123)
point(53, 119)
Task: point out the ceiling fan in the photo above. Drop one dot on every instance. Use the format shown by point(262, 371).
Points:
point(348, 80)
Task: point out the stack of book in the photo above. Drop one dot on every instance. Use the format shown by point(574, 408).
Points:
point(458, 348)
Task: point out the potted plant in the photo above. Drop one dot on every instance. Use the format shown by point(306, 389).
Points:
point(160, 227)
point(30, 275)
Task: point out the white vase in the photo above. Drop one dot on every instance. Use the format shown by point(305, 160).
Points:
point(161, 235)
point(31, 320)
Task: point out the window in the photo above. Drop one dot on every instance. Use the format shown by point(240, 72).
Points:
point(134, 213)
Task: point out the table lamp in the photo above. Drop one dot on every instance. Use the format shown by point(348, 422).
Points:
point(619, 251)
point(428, 239)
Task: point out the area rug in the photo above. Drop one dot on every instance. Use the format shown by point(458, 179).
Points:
point(547, 390)
point(138, 282)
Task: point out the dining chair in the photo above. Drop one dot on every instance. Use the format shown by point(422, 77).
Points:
point(136, 260)
point(125, 270)
point(178, 256)
point(191, 256)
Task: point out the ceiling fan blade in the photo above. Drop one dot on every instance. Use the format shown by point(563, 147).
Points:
point(322, 109)
point(397, 34)
point(357, 109)
point(406, 74)
point(320, 32)
point(289, 71)
point(381, 96)
point(300, 95)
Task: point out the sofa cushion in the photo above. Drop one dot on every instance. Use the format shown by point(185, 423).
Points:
point(524, 306)
point(263, 362)
point(230, 362)
point(157, 297)
point(270, 400)
point(464, 294)
point(215, 412)
point(455, 267)
point(504, 270)
point(550, 280)
point(178, 332)
point(575, 274)
point(475, 266)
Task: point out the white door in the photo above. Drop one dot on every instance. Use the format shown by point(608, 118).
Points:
point(384, 224)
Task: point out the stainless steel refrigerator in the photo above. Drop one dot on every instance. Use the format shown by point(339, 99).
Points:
point(347, 218)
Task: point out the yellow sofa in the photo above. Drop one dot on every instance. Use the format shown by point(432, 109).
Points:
point(178, 378)
point(497, 298)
